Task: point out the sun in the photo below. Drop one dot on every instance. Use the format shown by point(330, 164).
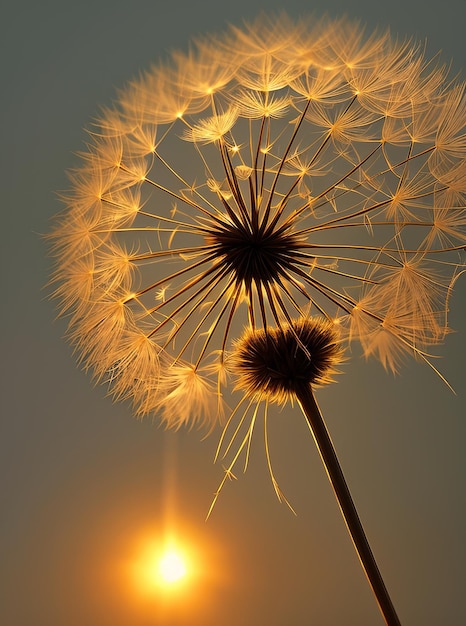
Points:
point(164, 565)
point(170, 571)
point(172, 567)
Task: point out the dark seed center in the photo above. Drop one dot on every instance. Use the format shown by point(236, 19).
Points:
point(254, 256)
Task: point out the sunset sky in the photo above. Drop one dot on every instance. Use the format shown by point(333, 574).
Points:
point(90, 497)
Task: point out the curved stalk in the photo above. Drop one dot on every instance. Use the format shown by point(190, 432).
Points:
point(327, 452)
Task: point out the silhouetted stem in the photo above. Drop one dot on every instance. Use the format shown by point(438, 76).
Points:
point(312, 412)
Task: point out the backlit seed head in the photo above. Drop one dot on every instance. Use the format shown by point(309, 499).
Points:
point(275, 171)
point(276, 363)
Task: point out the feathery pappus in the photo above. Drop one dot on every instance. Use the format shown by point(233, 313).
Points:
point(279, 170)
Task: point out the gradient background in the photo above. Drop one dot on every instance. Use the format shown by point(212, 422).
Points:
point(82, 483)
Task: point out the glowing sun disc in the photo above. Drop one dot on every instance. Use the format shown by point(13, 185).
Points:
point(172, 567)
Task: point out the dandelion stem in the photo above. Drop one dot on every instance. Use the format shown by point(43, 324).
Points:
point(327, 452)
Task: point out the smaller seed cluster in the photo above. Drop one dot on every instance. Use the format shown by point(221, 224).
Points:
point(276, 363)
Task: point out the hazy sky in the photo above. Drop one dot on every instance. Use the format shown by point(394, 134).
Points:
point(84, 486)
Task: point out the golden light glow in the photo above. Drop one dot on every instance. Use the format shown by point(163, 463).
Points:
point(163, 564)
point(172, 567)
point(166, 572)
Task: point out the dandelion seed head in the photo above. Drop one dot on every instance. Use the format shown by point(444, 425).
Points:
point(279, 171)
point(274, 364)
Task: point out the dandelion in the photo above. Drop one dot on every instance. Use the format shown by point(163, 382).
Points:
point(281, 172)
